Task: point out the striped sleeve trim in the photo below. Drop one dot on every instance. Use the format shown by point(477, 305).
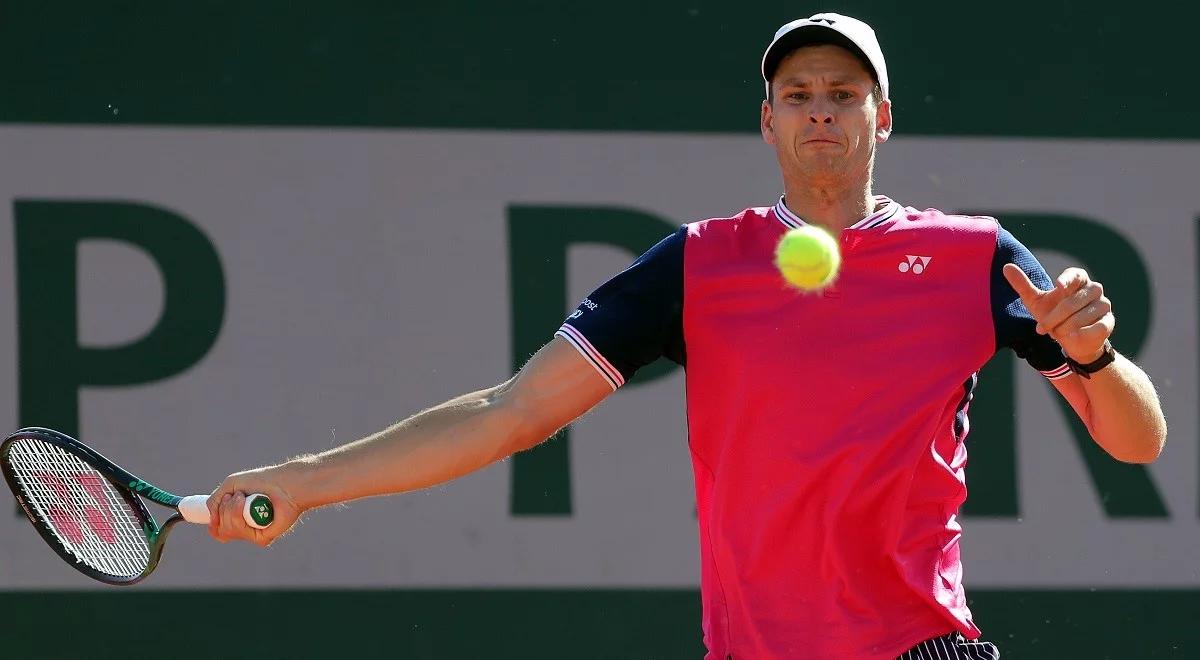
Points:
point(1055, 374)
point(585, 348)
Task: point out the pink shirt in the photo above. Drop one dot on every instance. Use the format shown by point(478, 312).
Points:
point(826, 430)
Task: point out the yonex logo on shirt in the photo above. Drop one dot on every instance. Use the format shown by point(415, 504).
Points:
point(914, 263)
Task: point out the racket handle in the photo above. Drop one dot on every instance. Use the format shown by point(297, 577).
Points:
point(258, 511)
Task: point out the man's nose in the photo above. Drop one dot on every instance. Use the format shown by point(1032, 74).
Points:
point(820, 113)
point(820, 116)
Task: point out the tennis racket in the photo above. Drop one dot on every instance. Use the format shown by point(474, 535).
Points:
point(90, 510)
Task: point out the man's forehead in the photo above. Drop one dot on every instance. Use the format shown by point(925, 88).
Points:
point(822, 60)
point(832, 81)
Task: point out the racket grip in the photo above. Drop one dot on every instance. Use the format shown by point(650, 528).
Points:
point(258, 511)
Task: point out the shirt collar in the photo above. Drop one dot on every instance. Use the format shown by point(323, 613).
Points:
point(885, 208)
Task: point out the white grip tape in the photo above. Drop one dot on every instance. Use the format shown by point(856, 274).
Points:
point(194, 509)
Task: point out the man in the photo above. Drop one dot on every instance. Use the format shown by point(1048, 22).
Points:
point(826, 430)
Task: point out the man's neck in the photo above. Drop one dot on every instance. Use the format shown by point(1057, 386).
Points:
point(833, 208)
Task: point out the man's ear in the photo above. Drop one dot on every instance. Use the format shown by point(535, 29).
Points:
point(883, 122)
point(765, 123)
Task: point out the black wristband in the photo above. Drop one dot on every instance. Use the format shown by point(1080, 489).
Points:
point(1086, 370)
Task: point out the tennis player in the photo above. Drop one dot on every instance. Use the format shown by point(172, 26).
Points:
point(826, 430)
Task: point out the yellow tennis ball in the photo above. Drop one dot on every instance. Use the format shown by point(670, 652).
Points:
point(808, 257)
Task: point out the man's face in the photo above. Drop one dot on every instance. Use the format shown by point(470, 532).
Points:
point(823, 119)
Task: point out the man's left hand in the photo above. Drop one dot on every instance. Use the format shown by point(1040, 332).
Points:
point(1075, 312)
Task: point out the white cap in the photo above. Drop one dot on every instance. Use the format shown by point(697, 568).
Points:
point(850, 33)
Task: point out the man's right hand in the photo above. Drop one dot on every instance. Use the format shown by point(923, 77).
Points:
point(226, 503)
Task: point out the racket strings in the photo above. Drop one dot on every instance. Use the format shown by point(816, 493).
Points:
point(84, 511)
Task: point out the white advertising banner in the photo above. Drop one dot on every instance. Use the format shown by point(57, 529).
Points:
point(366, 276)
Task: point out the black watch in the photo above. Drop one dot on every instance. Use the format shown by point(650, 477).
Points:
point(1086, 370)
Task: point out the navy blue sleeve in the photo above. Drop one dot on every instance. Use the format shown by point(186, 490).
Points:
point(636, 317)
point(1015, 328)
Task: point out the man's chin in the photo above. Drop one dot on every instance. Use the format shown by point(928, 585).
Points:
point(837, 174)
point(830, 167)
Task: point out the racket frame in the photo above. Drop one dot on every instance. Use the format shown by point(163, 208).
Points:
point(126, 484)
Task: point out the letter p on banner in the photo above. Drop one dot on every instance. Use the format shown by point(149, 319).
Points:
point(52, 364)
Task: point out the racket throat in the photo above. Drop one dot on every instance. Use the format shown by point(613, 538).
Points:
point(153, 493)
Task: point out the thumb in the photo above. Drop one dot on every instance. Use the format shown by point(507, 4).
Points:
point(1021, 283)
point(225, 491)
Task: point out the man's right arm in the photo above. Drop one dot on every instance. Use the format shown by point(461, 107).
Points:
point(434, 446)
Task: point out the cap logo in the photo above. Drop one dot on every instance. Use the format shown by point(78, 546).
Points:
point(823, 20)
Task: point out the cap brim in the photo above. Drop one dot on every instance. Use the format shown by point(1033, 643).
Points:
point(809, 35)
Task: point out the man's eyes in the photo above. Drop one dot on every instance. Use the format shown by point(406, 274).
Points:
point(841, 96)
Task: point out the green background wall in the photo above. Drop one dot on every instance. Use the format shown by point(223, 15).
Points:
point(600, 624)
point(1055, 68)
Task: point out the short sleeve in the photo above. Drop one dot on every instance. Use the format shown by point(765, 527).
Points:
point(1015, 327)
point(634, 318)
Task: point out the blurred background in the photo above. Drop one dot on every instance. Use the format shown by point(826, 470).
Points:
point(237, 232)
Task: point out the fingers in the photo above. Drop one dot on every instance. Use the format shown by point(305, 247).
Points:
point(215, 509)
point(226, 522)
point(1092, 316)
point(1072, 278)
point(1087, 302)
point(1073, 290)
point(1054, 302)
point(1020, 282)
point(1085, 343)
point(231, 525)
point(1081, 321)
point(1095, 333)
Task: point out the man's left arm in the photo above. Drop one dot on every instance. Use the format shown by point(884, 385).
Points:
point(1117, 403)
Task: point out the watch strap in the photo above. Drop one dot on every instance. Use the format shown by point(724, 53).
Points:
point(1086, 370)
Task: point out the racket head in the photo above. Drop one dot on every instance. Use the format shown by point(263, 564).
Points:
point(78, 502)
